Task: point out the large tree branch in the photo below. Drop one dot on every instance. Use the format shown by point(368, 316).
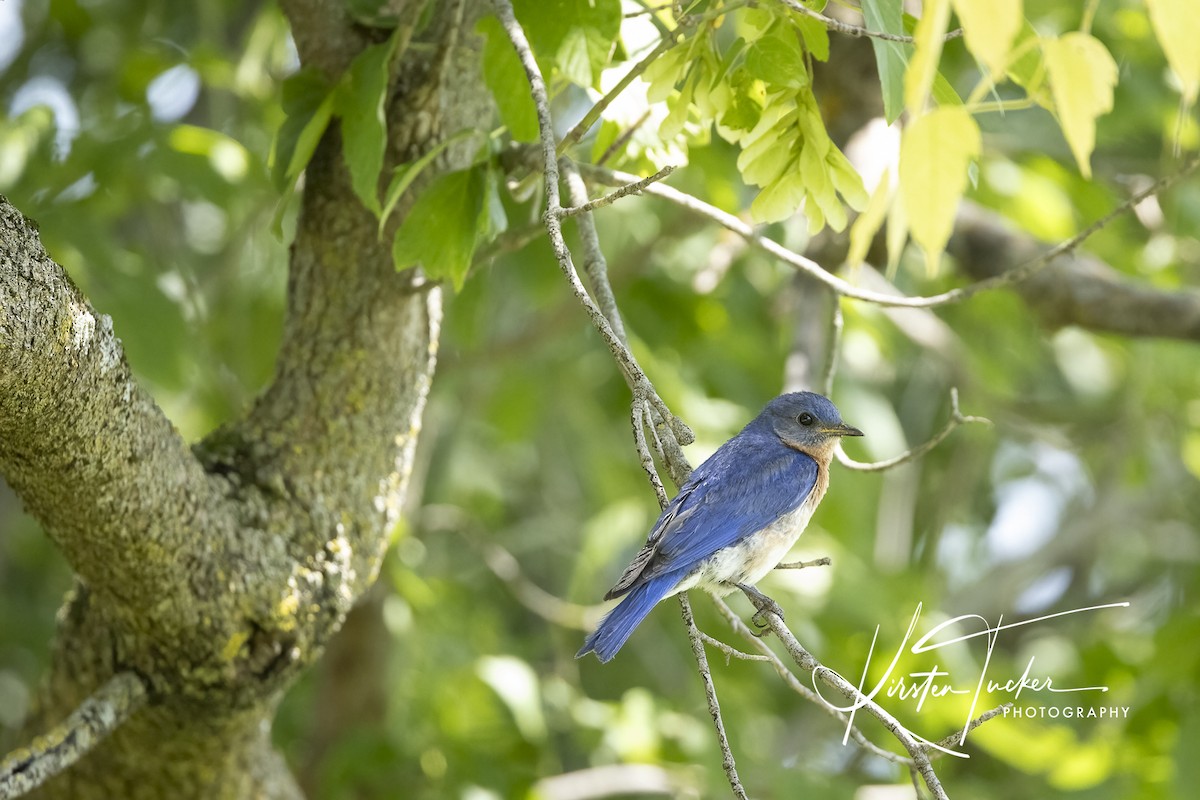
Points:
point(86, 448)
point(1077, 289)
point(216, 579)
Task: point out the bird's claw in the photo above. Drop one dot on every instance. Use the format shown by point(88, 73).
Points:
point(764, 605)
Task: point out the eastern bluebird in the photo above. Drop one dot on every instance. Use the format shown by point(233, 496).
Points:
point(738, 514)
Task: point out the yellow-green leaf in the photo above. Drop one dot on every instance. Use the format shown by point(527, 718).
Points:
point(1082, 75)
point(927, 36)
point(989, 28)
point(935, 151)
point(863, 231)
point(779, 200)
point(1177, 26)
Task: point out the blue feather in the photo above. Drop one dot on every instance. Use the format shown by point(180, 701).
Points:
point(615, 628)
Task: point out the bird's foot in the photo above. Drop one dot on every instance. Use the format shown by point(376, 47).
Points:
point(764, 604)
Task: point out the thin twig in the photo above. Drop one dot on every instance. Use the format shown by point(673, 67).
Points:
point(731, 651)
point(593, 114)
point(632, 372)
point(622, 140)
point(639, 416)
point(29, 767)
point(595, 266)
point(807, 662)
point(956, 418)
point(710, 692)
point(799, 688)
point(505, 566)
point(612, 197)
point(807, 265)
point(823, 561)
point(832, 361)
point(958, 737)
point(855, 31)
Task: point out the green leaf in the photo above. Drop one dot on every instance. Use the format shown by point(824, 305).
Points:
point(989, 29)
point(1177, 26)
point(1028, 69)
point(1082, 75)
point(928, 36)
point(886, 16)
point(405, 174)
point(443, 228)
point(862, 232)
point(308, 104)
point(360, 103)
point(816, 37)
point(777, 60)
point(935, 152)
point(505, 77)
point(570, 33)
point(779, 200)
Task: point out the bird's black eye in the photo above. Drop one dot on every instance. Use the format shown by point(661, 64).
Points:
point(806, 419)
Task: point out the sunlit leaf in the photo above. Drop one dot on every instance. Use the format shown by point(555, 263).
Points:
point(989, 28)
point(779, 200)
point(778, 60)
point(1082, 76)
point(862, 232)
point(935, 151)
point(1177, 26)
point(928, 35)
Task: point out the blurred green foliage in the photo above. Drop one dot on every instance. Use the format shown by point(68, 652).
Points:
point(156, 197)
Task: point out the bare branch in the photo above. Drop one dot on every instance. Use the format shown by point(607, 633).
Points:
point(796, 686)
point(854, 31)
point(27, 768)
point(842, 287)
point(823, 561)
point(612, 197)
point(956, 739)
point(714, 707)
point(956, 418)
point(595, 266)
point(806, 661)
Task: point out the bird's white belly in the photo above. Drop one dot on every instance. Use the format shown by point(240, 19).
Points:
point(755, 556)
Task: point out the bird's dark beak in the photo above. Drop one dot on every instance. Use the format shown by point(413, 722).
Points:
point(842, 429)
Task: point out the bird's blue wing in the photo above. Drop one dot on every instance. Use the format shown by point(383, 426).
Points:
point(741, 489)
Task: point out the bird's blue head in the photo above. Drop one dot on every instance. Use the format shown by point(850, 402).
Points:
point(806, 421)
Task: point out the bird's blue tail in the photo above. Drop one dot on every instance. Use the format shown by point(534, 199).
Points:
point(620, 623)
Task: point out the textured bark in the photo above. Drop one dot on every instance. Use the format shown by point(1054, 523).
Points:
point(218, 573)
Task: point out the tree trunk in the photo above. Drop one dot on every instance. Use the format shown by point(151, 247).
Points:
point(217, 573)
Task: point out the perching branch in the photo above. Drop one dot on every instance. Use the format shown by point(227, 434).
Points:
point(793, 683)
point(956, 418)
point(710, 693)
point(805, 660)
point(29, 767)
